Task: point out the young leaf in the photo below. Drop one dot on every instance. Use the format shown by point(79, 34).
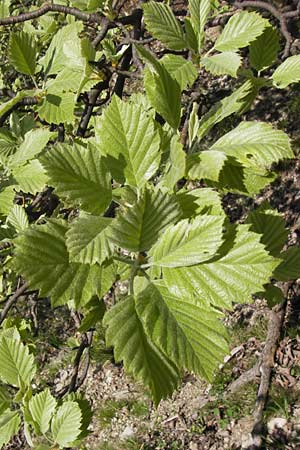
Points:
point(175, 166)
point(130, 142)
point(22, 52)
point(162, 90)
point(140, 356)
point(241, 29)
point(289, 268)
point(138, 228)
point(229, 105)
point(255, 144)
point(163, 25)
point(34, 142)
point(58, 108)
point(9, 426)
point(7, 195)
point(42, 407)
point(79, 175)
point(188, 243)
point(288, 72)
point(31, 177)
point(264, 50)
point(223, 63)
point(271, 225)
point(190, 334)
point(66, 424)
point(242, 269)
point(87, 240)
point(19, 364)
point(55, 58)
point(199, 10)
point(182, 70)
point(51, 272)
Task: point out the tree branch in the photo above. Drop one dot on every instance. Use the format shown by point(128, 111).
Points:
point(11, 300)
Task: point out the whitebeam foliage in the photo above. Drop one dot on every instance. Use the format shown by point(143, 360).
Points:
point(127, 199)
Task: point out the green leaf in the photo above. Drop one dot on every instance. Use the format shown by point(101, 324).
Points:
point(68, 80)
point(58, 108)
point(137, 228)
point(79, 175)
point(56, 57)
point(241, 270)
point(175, 166)
point(140, 356)
point(288, 72)
point(182, 70)
point(5, 399)
point(229, 105)
point(4, 8)
point(19, 367)
point(271, 225)
point(42, 407)
point(31, 177)
point(51, 272)
point(7, 196)
point(163, 25)
point(289, 268)
point(130, 142)
point(22, 52)
point(223, 63)
point(5, 107)
point(94, 315)
point(163, 91)
point(34, 142)
point(199, 10)
point(264, 50)
point(200, 201)
point(241, 29)
point(189, 334)
point(272, 294)
point(188, 243)
point(255, 145)
point(8, 145)
point(18, 218)
point(87, 240)
point(205, 165)
point(9, 426)
point(66, 424)
point(242, 180)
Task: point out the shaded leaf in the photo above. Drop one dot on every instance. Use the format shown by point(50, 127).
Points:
point(50, 270)
point(289, 268)
point(80, 176)
point(264, 50)
point(190, 334)
point(141, 358)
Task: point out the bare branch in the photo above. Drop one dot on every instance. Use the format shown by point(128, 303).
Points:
point(12, 300)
